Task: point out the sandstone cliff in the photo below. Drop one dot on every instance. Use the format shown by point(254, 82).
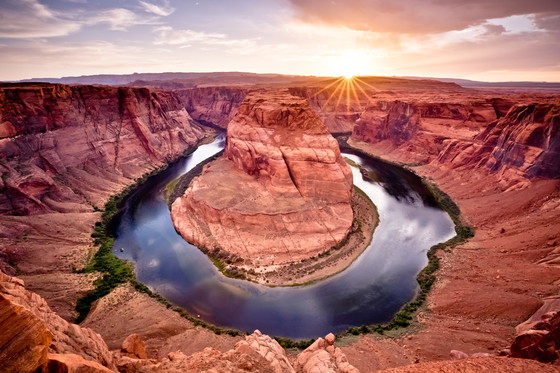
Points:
point(522, 140)
point(69, 146)
point(527, 139)
point(280, 193)
point(212, 105)
point(523, 144)
point(420, 128)
point(64, 151)
point(31, 329)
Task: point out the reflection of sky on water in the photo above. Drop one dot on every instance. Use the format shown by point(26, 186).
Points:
point(371, 290)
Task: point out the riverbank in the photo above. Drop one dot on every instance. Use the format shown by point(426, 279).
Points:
point(479, 295)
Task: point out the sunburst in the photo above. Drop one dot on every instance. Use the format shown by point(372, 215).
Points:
point(346, 90)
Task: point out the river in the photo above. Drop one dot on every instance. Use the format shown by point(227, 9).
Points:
point(370, 291)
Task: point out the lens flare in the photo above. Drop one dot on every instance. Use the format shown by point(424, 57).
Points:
point(350, 64)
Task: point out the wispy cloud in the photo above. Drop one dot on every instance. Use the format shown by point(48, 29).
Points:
point(28, 19)
point(416, 17)
point(168, 35)
point(122, 19)
point(81, 58)
point(21, 19)
point(161, 10)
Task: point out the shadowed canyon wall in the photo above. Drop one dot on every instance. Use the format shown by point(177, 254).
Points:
point(64, 146)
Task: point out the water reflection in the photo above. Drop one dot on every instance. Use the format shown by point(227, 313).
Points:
point(371, 290)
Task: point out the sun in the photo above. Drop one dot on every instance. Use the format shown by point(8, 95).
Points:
point(350, 64)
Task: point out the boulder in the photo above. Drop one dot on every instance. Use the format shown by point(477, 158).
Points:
point(323, 357)
point(134, 345)
point(72, 363)
point(541, 342)
point(46, 328)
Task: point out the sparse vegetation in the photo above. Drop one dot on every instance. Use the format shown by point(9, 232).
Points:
point(426, 278)
point(289, 343)
point(115, 271)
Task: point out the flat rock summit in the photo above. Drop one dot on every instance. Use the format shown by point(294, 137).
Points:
point(280, 193)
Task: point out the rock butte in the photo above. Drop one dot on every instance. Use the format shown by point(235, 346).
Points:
point(280, 193)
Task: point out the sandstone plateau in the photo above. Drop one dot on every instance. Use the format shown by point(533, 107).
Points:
point(280, 193)
point(66, 149)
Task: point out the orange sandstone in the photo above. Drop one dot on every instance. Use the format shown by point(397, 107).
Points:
point(280, 193)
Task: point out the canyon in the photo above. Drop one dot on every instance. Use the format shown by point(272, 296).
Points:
point(66, 149)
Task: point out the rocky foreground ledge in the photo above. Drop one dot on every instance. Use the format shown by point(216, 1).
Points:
point(35, 339)
point(280, 194)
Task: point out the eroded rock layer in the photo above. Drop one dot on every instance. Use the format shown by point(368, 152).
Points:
point(517, 141)
point(280, 193)
point(62, 146)
point(30, 329)
point(64, 150)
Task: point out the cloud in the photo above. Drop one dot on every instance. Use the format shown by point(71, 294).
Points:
point(166, 35)
point(21, 19)
point(494, 30)
point(550, 22)
point(29, 19)
point(20, 61)
point(170, 36)
point(416, 17)
point(122, 19)
point(513, 56)
point(159, 10)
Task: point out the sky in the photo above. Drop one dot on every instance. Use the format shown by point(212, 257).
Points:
point(489, 40)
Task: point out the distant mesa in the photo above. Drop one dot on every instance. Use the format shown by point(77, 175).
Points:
point(280, 193)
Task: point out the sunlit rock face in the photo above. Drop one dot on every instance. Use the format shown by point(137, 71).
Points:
point(526, 140)
point(280, 193)
point(30, 330)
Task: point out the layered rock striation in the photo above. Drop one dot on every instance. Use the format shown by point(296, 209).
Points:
point(422, 127)
point(64, 150)
point(62, 146)
point(519, 141)
point(212, 105)
point(33, 335)
point(280, 193)
point(524, 144)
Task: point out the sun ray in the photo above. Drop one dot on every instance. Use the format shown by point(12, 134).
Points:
point(370, 100)
point(366, 83)
point(339, 87)
point(355, 94)
point(338, 80)
point(348, 82)
point(339, 97)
